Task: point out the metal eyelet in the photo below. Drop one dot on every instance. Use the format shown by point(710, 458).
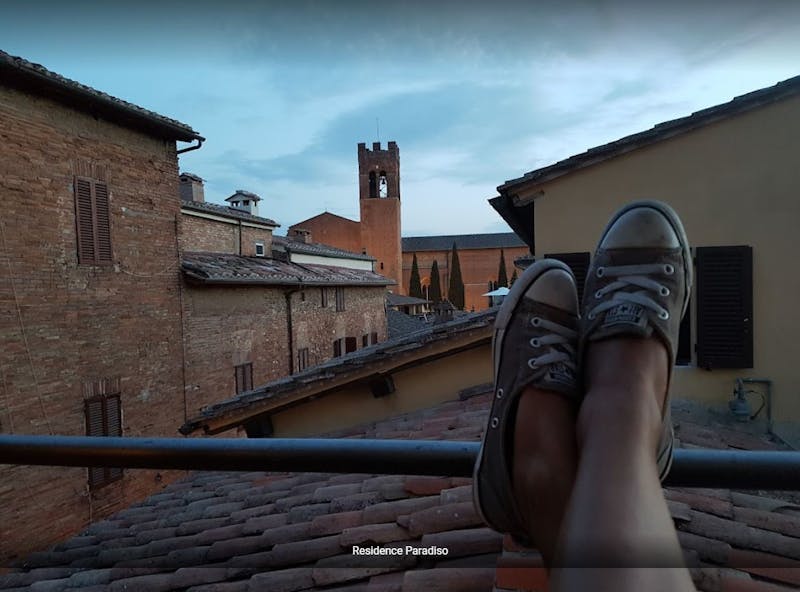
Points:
point(535, 342)
point(598, 295)
point(536, 321)
point(499, 393)
point(599, 272)
point(664, 291)
point(591, 316)
point(663, 315)
point(668, 269)
point(532, 363)
point(495, 422)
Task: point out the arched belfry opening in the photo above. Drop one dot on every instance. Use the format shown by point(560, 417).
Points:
point(383, 185)
point(373, 184)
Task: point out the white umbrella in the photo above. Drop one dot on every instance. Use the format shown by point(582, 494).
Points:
point(501, 291)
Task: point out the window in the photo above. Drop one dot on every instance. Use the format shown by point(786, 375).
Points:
point(339, 299)
point(383, 185)
point(103, 418)
point(244, 377)
point(323, 292)
point(92, 222)
point(302, 295)
point(724, 307)
point(246, 202)
point(373, 184)
point(578, 263)
point(302, 359)
point(259, 249)
point(350, 344)
point(365, 340)
point(338, 347)
point(373, 337)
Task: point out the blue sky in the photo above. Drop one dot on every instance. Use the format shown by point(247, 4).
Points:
point(474, 93)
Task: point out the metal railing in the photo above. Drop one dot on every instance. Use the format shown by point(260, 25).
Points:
point(728, 469)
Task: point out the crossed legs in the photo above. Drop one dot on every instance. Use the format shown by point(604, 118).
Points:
point(589, 490)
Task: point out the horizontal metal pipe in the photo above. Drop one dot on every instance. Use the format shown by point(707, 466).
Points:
point(724, 469)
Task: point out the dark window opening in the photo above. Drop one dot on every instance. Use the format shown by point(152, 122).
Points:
point(383, 185)
point(323, 295)
point(302, 359)
point(365, 340)
point(381, 264)
point(259, 249)
point(103, 418)
point(244, 377)
point(93, 222)
point(339, 299)
point(350, 344)
point(373, 337)
point(373, 184)
point(338, 347)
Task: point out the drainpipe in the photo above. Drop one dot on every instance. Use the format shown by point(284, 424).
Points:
point(240, 237)
point(200, 141)
point(288, 295)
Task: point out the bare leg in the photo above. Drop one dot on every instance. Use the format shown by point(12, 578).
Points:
point(617, 517)
point(544, 464)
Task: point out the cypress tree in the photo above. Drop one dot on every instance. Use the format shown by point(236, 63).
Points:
point(455, 291)
point(502, 277)
point(414, 285)
point(435, 286)
point(513, 277)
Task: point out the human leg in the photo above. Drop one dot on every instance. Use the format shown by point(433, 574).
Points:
point(617, 532)
point(527, 461)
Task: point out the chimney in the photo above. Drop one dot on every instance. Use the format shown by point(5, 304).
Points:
point(300, 234)
point(191, 188)
point(245, 201)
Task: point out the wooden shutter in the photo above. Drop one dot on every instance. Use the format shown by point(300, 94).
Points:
point(337, 348)
point(725, 307)
point(578, 263)
point(84, 221)
point(351, 344)
point(103, 224)
point(103, 418)
point(244, 377)
point(365, 340)
point(373, 337)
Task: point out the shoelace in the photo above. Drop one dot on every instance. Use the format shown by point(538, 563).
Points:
point(637, 276)
point(561, 336)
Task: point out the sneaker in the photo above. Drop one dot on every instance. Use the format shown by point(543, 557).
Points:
point(535, 340)
point(639, 284)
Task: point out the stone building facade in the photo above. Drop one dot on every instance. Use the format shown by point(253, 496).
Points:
point(90, 329)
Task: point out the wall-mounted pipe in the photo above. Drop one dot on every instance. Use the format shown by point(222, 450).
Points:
point(768, 383)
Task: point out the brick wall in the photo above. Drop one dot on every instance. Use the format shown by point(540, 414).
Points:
point(63, 324)
point(478, 267)
point(335, 231)
point(316, 328)
point(227, 326)
point(218, 236)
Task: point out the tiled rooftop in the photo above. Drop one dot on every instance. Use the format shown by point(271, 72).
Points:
point(400, 324)
point(18, 71)
point(226, 211)
point(235, 532)
point(236, 269)
point(463, 241)
point(297, 246)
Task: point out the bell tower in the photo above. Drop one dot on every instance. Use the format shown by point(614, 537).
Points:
point(379, 200)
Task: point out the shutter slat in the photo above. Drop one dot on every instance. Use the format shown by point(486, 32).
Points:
point(84, 221)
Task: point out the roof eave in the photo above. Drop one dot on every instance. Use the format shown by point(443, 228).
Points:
point(29, 79)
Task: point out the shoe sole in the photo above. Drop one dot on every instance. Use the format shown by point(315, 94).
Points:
point(510, 304)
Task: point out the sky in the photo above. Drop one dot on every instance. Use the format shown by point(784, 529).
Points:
point(474, 93)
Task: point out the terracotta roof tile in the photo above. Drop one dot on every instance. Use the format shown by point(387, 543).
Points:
point(296, 531)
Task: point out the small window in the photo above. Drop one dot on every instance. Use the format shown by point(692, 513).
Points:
point(373, 184)
point(350, 344)
point(323, 294)
point(259, 249)
point(302, 359)
point(365, 340)
point(383, 185)
point(103, 418)
point(244, 377)
point(302, 295)
point(339, 299)
point(373, 337)
point(246, 202)
point(93, 222)
point(381, 264)
point(338, 347)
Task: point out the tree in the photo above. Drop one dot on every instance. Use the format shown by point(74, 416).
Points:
point(513, 277)
point(455, 291)
point(414, 285)
point(435, 288)
point(502, 277)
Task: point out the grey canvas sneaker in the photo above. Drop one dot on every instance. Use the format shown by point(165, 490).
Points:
point(535, 340)
point(639, 284)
